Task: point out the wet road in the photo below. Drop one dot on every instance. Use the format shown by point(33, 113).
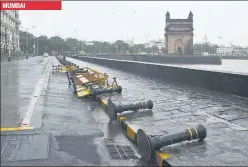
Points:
point(70, 131)
point(18, 79)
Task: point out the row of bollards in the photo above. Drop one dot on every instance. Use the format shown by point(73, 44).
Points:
point(147, 145)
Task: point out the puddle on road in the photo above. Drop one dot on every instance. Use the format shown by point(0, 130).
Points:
point(80, 147)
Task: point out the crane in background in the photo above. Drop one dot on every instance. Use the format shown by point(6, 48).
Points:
point(205, 40)
point(221, 38)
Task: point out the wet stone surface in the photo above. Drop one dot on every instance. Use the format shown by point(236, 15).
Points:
point(178, 107)
point(80, 147)
point(24, 147)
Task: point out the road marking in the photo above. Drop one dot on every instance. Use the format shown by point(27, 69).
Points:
point(17, 128)
point(37, 92)
point(31, 106)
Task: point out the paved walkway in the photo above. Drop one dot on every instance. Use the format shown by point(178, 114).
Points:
point(18, 80)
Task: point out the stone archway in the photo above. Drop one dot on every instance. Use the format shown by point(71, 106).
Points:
point(179, 50)
point(179, 46)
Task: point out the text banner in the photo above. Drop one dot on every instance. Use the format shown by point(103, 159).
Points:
point(31, 5)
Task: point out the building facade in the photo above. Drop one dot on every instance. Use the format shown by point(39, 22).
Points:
point(225, 50)
point(236, 51)
point(10, 31)
point(157, 43)
point(179, 35)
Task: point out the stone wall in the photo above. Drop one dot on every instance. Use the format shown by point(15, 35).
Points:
point(168, 59)
point(223, 82)
point(235, 57)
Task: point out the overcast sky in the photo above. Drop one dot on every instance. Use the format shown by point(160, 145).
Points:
point(142, 21)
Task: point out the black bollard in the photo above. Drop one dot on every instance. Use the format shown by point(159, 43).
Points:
point(98, 91)
point(147, 144)
point(113, 109)
point(9, 60)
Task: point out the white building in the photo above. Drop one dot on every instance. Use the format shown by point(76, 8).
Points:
point(225, 51)
point(10, 31)
point(238, 51)
point(246, 50)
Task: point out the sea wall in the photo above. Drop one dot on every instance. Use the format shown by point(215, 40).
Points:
point(235, 84)
point(166, 59)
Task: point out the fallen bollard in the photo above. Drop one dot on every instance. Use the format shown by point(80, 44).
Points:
point(113, 109)
point(147, 144)
point(98, 91)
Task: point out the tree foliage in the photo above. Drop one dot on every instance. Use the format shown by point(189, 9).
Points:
point(72, 45)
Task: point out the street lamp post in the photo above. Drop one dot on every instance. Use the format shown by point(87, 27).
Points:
point(37, 41)
point(101, 48)
point(9, 48)
point(27, 38)
point(34, 45)
point(77, 42)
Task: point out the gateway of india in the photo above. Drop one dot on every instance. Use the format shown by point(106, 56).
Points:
point(179, 35)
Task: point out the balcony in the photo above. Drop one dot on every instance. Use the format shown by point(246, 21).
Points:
point(4, 23)
point(4, 11)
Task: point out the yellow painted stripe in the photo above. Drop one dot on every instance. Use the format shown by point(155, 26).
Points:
point(103, 104)
point(83, 93)
point(122, 118)
point(196, 132)
point(131, 131)
point(190, 133)
point(160, 157)
point(17, 128)
point(105, 101)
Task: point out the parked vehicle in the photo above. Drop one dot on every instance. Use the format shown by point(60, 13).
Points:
point(45, 55)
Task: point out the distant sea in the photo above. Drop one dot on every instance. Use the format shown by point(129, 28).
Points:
point(228, 66)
